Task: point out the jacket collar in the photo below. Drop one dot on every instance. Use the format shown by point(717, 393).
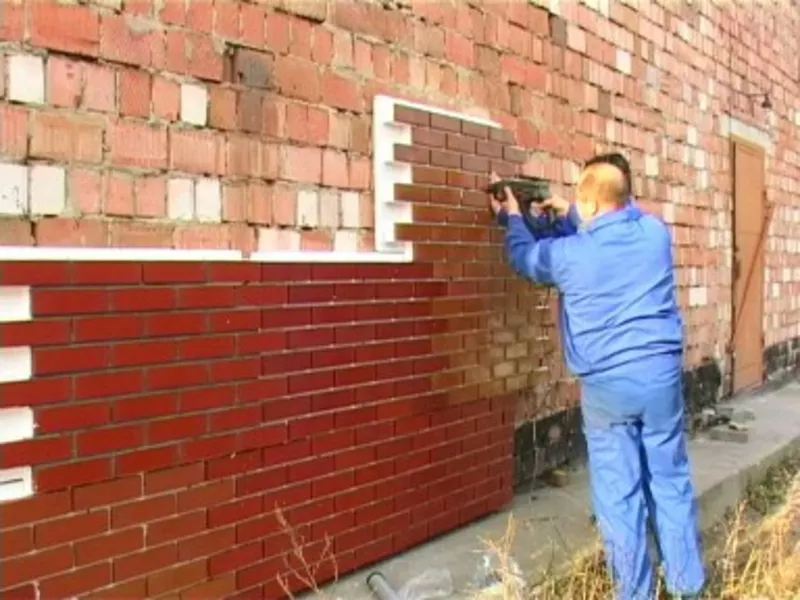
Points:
point(630, 212)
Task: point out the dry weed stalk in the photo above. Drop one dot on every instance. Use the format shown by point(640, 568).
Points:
point(511, 584)
point(764, 561)
point(306, 571)
point(760, 562)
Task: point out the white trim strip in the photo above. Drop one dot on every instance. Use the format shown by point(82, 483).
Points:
point(43, 253)
point(328, 257)
point(16, 424)
point(15, 304)
point(16, 484)
point(731, 126)
point(16, 364)
point(386, 173)
point(16, 312)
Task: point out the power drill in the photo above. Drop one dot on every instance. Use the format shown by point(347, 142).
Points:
point(528, 191)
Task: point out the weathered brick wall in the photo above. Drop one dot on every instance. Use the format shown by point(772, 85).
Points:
point(177, 403)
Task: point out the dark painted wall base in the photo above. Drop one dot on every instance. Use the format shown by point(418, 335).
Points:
point(545, 444)
point(782, 360)
point(555, 440)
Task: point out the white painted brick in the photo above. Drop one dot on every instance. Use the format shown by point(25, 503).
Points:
point(13, 189)
point(278, 240)
point(668, 213)
point(194, 104)
point(351, 210)
point(624, 61)
point(691, 135)
point(15, 303)
point(702, 180)
point(308, 208)
point(724, 125)
point(180, 199)
point(699, 159)
point(553, 5)
point(113, 4)
point(698, 296)
point(16, 364)
point(208, 200)
point(651, 166)
point(16, 483)
point(48, 190)
point(16, 424)
point(684, 31)
point(772, 118)
point(576, 38)
point(329, 209)
point(611, 132)
point(26, 78)
point(345, 241)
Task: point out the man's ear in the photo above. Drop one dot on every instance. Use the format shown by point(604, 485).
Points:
point(588, 208)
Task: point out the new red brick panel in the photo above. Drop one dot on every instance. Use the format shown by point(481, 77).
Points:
point(180, 404)
point(497, 327)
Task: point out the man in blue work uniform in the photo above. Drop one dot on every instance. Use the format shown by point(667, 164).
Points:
point(623, 338)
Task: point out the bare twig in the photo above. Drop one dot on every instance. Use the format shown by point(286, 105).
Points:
point(305, 571)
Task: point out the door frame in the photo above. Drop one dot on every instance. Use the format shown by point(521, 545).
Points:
point(735, 141)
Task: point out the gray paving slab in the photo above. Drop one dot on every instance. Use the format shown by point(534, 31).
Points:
point(552, 524)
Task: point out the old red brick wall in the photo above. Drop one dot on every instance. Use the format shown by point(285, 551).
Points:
point(375, 402)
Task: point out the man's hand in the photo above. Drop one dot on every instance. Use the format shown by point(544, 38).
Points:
point(560, 206)
point(511, 205)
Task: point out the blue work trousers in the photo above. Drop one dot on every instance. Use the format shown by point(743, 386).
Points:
point(639, 472)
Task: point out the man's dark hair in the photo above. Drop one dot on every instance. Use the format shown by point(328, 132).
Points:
point(616, 159)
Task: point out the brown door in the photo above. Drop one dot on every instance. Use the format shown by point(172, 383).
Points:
point(749, 240)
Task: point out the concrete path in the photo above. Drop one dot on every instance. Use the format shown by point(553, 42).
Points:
point(552, 524)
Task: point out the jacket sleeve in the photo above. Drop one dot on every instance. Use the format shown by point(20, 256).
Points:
point(502, 218)
point(542, 227)
point(568, 225)
point(537, 227)
point(540, 260)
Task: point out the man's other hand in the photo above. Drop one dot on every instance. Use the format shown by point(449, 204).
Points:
point(511, 205)
point(560, 206)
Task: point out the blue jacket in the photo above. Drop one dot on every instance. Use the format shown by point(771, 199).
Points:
point(620, 317)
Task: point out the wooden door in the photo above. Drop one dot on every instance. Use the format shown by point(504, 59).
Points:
point(750, 218)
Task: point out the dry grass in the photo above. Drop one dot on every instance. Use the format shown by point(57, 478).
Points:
point(751, 560)
point(753, 555)
point(760, 556)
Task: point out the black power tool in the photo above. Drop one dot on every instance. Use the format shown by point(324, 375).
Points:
point(527, 191)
